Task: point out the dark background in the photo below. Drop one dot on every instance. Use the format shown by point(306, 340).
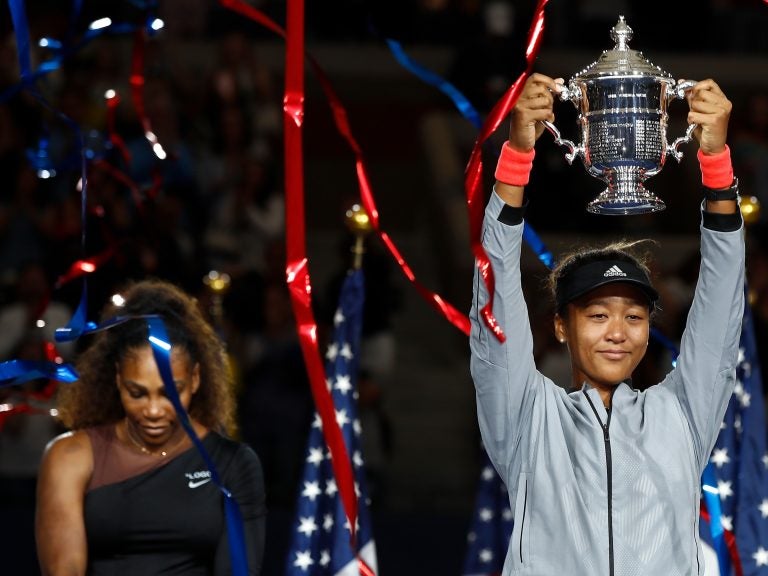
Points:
point(417, 402)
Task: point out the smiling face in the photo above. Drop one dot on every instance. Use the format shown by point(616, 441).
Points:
point(607, 333)
point(150, 418)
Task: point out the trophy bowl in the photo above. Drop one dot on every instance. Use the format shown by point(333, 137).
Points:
point(622, 101)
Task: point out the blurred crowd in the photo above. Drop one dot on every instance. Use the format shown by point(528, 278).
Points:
point(215, 200)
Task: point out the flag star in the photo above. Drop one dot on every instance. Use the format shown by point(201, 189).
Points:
point(357, 490)
point(720, 457)
point(507, 514)
point(745, 399)
point(303, 560)
point(357, 458)
point(346, 352)
point(357, 427)
point(765, 460)
point(315, 456)
point(341, 417)
point(486, 555)
point(325, 558)
point(747, 368)
point(471, 537)
point(311, 490)
point(738, 389)
point(761, 556)
point(328, 522)
point(763, 507)
point(723, 425)
point(737, 423)
point(332, 352)
point(727, 522)
point(486, 514)
point(330, 487)
point(487, 473)
point(329, 384)
point(724, 489)
point(307, 526)
point(338, 318)
point(742, 355)
point(343, 383)
point(317, 422)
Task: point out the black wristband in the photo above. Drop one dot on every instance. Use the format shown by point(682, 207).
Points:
point(730, 193)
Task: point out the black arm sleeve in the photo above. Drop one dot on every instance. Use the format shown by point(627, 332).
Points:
point(244, 479)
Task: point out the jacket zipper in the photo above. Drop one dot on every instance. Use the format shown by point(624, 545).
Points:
point(609, 478)
point(522, 520)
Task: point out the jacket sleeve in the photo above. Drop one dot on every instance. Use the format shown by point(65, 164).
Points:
point(705, 375)
point(244, 479)
point(504, 374)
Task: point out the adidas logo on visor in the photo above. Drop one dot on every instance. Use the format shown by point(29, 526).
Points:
point(614, 271)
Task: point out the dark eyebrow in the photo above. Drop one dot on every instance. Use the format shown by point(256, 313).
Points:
point(604, 302)
point(132, 384)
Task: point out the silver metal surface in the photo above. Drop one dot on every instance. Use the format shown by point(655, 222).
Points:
point(622, 100)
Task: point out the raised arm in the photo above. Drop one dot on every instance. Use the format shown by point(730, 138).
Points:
point(705, 373)
point(59, 523)
point(533, 106)
point(504, 373)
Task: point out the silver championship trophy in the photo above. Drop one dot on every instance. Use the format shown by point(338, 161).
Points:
point(622, 100)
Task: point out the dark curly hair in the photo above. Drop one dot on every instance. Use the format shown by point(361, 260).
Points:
point(635, 251)
point(94, 399)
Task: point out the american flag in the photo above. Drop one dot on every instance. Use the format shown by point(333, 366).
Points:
point(321, 543)
point(491, 528)
point(739, 462)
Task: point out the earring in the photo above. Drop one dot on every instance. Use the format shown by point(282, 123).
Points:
point(562, 340)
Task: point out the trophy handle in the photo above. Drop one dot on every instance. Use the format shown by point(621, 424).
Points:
point(573, 149)
point(672, 149)
point(678, 91)
point(680, 88)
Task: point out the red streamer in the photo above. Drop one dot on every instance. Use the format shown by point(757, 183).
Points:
point(730, 542)
point(297, 275)
point(455, 317)
point(83, 267)
point(113, 99)
point(474, 171)
point(137, 91)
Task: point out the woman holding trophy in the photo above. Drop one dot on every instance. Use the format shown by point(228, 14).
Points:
point(605, 479)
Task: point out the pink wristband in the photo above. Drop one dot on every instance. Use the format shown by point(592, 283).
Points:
point(716, 169)
point(514, 168)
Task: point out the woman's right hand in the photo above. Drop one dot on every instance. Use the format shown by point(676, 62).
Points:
point(534, 105)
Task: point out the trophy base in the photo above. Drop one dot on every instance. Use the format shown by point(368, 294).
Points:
point(615, 203)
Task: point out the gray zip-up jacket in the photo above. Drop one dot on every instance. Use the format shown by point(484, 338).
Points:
point(597, 492)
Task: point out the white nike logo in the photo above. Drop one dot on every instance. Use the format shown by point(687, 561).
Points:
point(195, 484)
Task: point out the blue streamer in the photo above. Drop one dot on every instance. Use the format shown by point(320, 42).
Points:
point(21, 29)
point(77, 325)
point(460, 101)
point(14, 372)
point(712, 500)
point(537, 245)
point(62, 52)
point(161, 349)
point(469, 112)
